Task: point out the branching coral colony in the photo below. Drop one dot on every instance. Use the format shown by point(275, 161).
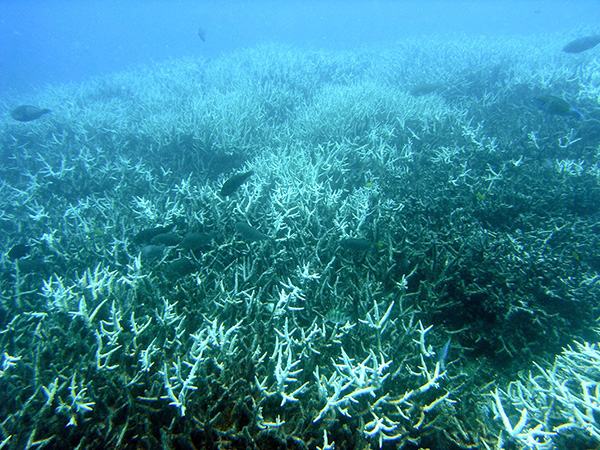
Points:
point(401, 258)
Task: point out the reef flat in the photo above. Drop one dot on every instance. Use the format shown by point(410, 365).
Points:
point(399, 270)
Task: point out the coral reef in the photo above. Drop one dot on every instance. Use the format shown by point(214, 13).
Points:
point(418, 254)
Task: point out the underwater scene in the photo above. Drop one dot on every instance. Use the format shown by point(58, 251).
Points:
point(281, 247)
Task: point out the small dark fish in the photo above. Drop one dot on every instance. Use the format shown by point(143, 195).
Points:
point(202, 34)
point(152, 252)
point(18, 251)
point(32, 265)
point(196, 241)
point(250, 234)
point(146, 235)
point(582, 44)
point(556, 106)
point(337, 316)
point(357, 244)
point(168, 239)
point(424, 88)
point(27, 113)
point(178, 268)
point(234, 183)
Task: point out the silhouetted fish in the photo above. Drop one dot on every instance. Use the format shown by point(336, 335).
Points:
point(338, 316)
point(168, 239)
point(152, 252)
point(178, 268)
point(234, 183)
point(146, 235)
point(202, 34)
point(582, 44)
point(32, 265)
point(197, 241)
point(27, 113)
point(555, 105)
point(250, 234)
point(18, 251)
point(357, 244)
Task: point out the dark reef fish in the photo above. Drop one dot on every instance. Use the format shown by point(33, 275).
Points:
point(202, 34)
point(234, 183)
point(27, 113)
point(556, 106)
point(582, 44)
point(357, 244)
point(250, 234)
point(178, 268)
point(18, 251)
point(197, 241)
point(150, 253)
point(37, 265)
point(168, 239)
point(338, 316)
point(146, 235)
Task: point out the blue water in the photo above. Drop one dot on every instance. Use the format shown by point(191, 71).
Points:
point(61, 41)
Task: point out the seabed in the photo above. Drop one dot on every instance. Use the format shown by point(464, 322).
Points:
point(413, 263)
